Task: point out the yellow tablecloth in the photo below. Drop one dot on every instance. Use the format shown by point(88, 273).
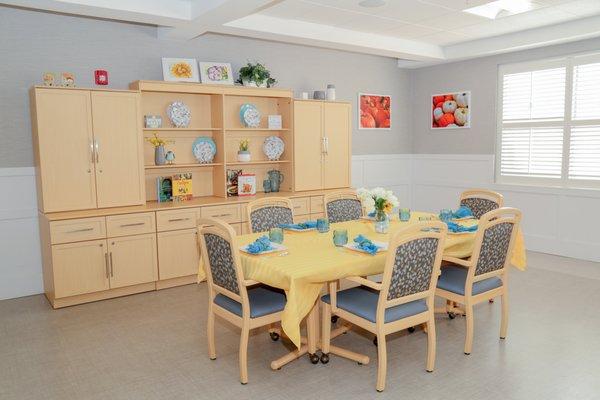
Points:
point(312, 260)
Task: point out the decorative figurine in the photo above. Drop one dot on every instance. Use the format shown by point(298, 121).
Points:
point(49, 79)
point(68, 79)
point(170, 157)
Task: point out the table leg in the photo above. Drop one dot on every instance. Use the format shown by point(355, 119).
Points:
point(312, 331)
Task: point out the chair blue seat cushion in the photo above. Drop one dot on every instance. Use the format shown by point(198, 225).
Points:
point(263, 301)
point(362, 301)
point(453, 280)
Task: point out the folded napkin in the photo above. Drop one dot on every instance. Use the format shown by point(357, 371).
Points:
point(454, 227)
point(259, 245)
point(462, 212)
point(301, 225)
point(365, 244)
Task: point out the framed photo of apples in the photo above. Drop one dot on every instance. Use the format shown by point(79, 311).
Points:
point(451, 110)
point(374, 111)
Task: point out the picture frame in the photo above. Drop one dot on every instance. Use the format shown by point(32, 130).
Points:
point(180, 70)
point(374, 111)
point(216, 73)
point(450, 110)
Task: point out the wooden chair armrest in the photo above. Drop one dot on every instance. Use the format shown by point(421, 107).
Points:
point(458, 261)
point(365, 282)
point(250, 282)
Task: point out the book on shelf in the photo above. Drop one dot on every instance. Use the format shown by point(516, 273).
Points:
point(246, 184)
point(232, 181)
point(164, 189)
point(182, 187)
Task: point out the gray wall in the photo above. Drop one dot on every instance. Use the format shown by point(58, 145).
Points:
point(34, 42)
point(480, 77)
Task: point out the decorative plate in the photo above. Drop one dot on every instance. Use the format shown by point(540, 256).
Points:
point(204, 149)
point(179, 114)
point(273, 148)
point(249, 115)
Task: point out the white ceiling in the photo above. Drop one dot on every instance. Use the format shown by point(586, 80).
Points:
point(419, 32)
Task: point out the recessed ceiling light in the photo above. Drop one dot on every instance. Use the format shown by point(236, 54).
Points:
point(501, 8)
point(372, 3)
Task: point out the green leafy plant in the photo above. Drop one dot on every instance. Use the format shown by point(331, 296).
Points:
point(257, 73)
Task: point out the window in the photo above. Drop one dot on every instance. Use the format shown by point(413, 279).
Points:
point(549, 122)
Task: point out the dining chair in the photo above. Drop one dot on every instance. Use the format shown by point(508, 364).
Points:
point(267, 213)
point(403, 299)
point(481, 201)
point(343, 205)
point(485, 274)
point(244, 303)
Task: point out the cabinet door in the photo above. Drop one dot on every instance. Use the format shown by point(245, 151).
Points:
point(80, 268)
point(132, 260)
point(308, 145)
point(118, 137)
point(177, 254)
point(337, 131)
point(63, 129)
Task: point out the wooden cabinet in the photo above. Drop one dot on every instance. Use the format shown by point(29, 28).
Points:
point(178, 254)
point(88, 149)
point(118, 148)
point(63, 146)
point(322, 152)
point(132, 260)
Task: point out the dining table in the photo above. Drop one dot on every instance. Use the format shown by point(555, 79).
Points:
point(310, 260)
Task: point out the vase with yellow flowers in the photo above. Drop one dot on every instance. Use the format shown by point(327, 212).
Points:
point(243, 154)
point(159, 148)
point(378, 202)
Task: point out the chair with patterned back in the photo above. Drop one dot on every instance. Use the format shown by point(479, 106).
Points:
point(264, 214)
point(481, 201)
point(484, 275)
point(404, 298)
point(242, 302)
point(343, 205)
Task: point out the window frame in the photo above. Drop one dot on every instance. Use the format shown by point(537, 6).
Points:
point(569, 62)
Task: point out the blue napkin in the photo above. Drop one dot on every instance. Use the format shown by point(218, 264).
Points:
point(301, 225)
point(462, 212)
point(454, 227)
point(365, 244)
point(259, 245)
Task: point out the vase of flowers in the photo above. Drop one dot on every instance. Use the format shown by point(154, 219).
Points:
point(243, 154)
point(160, 157)
point(255, 75)
point(379, 203)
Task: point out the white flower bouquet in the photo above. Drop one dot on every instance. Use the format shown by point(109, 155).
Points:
point(378, 199)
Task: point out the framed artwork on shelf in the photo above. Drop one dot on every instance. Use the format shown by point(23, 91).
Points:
point(375, 111)
point(216, 73)
point(451, 110)
point(180, 70)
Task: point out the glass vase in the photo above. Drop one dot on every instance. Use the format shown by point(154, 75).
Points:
point(382, 222)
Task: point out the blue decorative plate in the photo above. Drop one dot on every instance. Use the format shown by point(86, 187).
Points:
point(249, 115)
point(204, 149)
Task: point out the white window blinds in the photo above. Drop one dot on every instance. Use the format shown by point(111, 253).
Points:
point(549, 123)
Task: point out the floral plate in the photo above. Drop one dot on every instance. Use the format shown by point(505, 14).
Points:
point(249, 115)
point(204, 149)
point(179, 114)
point(273, 147)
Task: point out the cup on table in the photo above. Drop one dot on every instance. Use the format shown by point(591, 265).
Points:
point(404, 214)
point(445, 215)
point(276, 235)
point(323, 225)
point(340, 237)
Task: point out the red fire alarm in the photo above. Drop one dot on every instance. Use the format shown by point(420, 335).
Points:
point(101, 77)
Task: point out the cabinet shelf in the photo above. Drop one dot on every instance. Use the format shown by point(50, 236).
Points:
point(257, 162)
point(182, 166)
point(181, 129)
point(256, 130)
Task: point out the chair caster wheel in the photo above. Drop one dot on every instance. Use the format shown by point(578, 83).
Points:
point(213, 359)
point(379, 391)
point(451, 315)
point(430, 371)
point(375, 341)
point(467, 354)
point(324, 358)
point(314, 358)
point(503, 338)
point(334, 319)
point(279, 369)
point(274, 336)
point(359, 363)
point(411, 329)
point(244, 383)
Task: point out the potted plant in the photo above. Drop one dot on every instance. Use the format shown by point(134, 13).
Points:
point(256, 75)
point(159, 148)
point(243, 154)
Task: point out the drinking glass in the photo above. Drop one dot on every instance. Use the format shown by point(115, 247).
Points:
point(323, 225)
point(445, 215)
point(405, 214)
point(340, 237)
point(276, 235)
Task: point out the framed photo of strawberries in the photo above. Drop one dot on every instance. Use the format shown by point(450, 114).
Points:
point(451, 110)
point(375, 111)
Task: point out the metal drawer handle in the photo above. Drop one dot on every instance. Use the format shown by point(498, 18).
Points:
point(106, 263)
point(221, 215)
point(81, 230)
point(133, 224)
point(111, 266)
point(179, 219)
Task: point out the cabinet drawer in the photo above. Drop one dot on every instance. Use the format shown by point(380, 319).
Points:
point(176, 219)
point(77, 230)
point(229, 213)
point(301, 205)
point(130, 224)
point(316, 204)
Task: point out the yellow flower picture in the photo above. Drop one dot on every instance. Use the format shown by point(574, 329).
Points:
point(180, 70)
